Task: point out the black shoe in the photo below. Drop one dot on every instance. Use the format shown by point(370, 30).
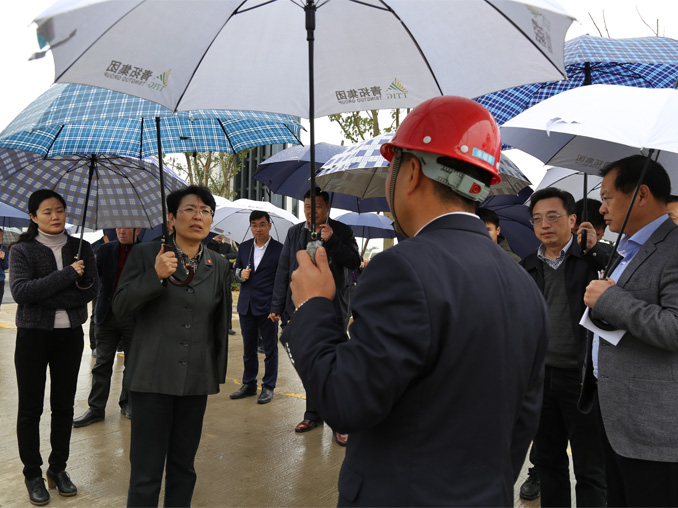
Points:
point(231, 331)
point(244, 391)
point(126, 411)
point(530, 489)
point(266, 396)
point(37, 492)
point(62, 482)
point(88, 417)
point(261, 350)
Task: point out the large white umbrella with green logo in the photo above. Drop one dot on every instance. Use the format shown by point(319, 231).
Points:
point(308, 58)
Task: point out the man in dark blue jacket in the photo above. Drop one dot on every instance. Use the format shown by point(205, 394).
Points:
point(440, 385)
point(110, 329)
point(255, 269)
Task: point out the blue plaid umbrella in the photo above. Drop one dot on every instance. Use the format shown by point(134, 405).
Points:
point(70, 118)
point(647, 62)
point(288, 173)
point(124, 192)
point(361, 171)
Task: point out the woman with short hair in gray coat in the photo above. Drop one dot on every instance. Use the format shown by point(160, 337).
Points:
point(52, 292)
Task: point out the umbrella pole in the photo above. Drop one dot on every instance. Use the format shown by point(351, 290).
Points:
point(310, 8)
point(165, 232)
point(92, 165)
point(584, 212)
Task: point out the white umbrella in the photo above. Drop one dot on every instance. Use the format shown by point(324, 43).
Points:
point(255, 55)
point(571, 181)
point(588, 127)
point(233, 219)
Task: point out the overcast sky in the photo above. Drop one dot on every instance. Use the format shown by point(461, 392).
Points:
point(23, 81)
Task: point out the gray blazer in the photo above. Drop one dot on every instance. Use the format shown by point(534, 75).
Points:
point(180, 340)
point(638, 378)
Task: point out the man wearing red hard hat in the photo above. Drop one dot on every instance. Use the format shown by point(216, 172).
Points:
point(440, 385)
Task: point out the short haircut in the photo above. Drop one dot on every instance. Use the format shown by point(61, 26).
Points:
point(174, 198)
point(448, 194)
point(593, 212)
point(488, 216)
point(553, 192)
point(259, 214)
point(671, 199)
point(628, 174)
point(318, 193)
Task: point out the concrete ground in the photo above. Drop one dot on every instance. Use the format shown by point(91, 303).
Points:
point(249, 455)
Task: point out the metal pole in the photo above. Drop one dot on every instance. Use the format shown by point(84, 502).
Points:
point(165, 232)
point(92, 165)
point(310, 9)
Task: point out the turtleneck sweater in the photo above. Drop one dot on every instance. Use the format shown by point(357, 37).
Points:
point(56, 243)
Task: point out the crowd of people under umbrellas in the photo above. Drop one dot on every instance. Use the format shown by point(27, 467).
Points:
point(459, 357)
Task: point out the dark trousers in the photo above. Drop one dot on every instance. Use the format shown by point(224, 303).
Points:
point(561, 422)
point(92, 328)
point(109, 334)
point(165, 428)
point(61, 350)
point(251, 326)
point(2, 289)
point(636, 482)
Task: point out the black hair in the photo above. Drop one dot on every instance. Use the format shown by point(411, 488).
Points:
point(488, 216)
point(34, 202)
point(671, 199)
point(553, 192)
point(174, 198)
point(259, 214)
point(593, 212)
point(448, 194)
point(628, 174)
point(318, 192)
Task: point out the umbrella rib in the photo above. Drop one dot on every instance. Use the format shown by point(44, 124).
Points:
point(53, 141)
point(526, 37)
point(226, 134)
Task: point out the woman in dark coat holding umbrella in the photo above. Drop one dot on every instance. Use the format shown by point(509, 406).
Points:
point(50, 313)
point(179, 348)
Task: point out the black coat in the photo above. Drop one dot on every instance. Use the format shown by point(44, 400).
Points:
point(256, 292)
point(440, 385)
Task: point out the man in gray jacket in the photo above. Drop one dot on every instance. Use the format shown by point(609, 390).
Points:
point(637, 379)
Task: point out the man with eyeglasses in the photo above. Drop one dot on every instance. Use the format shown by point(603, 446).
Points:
point(255, 269)
point(562, 270)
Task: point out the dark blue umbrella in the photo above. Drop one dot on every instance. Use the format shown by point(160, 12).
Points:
point(647, 62)
point(369, 225)
point(287, 172)
point(514, 220)
point(10, 217)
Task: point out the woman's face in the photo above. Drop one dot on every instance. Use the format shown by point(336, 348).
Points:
point(50, 216)
point(193, 220)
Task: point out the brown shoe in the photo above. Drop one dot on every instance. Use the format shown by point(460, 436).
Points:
point(340, 439)
point(306, 425)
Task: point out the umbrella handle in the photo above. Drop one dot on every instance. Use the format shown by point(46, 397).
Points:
point(173, 280)
point(83, 287)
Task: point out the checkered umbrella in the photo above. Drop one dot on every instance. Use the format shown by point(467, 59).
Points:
point(647, 62)
point(361, 171)
point(124, 192)
point(71, 118)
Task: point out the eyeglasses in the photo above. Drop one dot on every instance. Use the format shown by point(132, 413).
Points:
point(259, 226)
point(192, 212)
point(550, 218)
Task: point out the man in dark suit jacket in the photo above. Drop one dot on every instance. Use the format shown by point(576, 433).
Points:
point(637, 379)
point(440, 384)
point(255, 269)
point(111, 330)
point(342, 249)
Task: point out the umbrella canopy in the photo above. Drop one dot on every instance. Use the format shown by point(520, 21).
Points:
point(82, 119)
point(287, 172)
point(368, 225)
point(514, 220)
point(114, 44)
point(647, 62)
point(587, 128)
point(361, 171)
point(233, 219)
point(10, 217)
point(572, 182)
point(125, 192)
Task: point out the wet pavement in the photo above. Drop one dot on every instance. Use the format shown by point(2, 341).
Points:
point(249, 455)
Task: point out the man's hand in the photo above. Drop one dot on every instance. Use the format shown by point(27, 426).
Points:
point(326, 232)
point(165, 263)
point(2, 254)
point(591, 237)
point(79, 267)
point(309, 280)
point(245, 273)
point(274, 317)
point(595, 289)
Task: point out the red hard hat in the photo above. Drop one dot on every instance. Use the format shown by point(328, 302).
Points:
point(453, 127)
